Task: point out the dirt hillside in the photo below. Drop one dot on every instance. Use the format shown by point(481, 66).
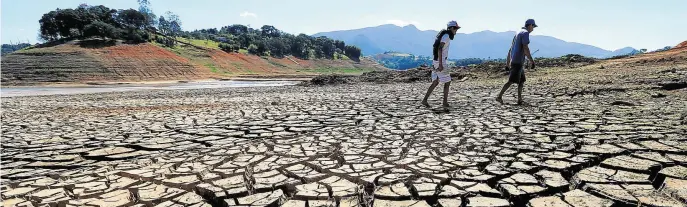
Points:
point(221, 63)
point(85, 62)
point(112, 61)
point(682, 45)
point(668, 57)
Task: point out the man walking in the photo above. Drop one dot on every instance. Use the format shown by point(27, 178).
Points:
point(516, 58)
point(440, 72)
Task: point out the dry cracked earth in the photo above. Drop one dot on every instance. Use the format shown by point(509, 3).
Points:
point(351, 145)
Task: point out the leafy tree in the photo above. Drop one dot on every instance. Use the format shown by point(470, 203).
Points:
point(101, 29)
point(270, 31)
point(150, 17)
point(253, 49)
point(277, 47)
point(102, 13)
point(212, 31)
point(174, 24)
point(262, 47)
point(166, 41)
point(340, 45)
point(131, 19)
point(226, 47)
point(137, 36)
point(244, 40)
point(69, 23)
point(235, 29)
point(90, 21)
point(352, 52)
point(49, 30)
point(326, 47)
point(301, 46)
point(163, 25)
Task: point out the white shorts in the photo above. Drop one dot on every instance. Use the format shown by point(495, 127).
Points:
point(443, 76)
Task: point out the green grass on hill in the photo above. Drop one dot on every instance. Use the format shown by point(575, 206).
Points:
point(196, 56)
point(26, 48)
point(338, 56)
point(201, 43)
point(276, 63)
point(212, 67)
point(185, 51)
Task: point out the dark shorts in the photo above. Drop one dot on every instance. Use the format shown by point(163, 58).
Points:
point(517, 74)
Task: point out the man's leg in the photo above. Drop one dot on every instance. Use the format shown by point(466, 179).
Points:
point(520, 93)
point(447, 86)
point(512, 78)
point(521, 84)
point(499, 98)
point(429, 91)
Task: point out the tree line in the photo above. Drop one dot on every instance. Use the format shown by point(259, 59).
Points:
point(143, 25)
point(9, 48)
point(271, 41)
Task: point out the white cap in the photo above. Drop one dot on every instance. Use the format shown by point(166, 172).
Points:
point(452, 24)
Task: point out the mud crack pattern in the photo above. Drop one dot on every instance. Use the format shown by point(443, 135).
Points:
point(364, 145)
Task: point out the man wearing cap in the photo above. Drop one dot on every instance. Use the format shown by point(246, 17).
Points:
point(516, 58)
point(440, 72)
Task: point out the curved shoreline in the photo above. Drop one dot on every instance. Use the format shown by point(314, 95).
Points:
point(130, 83)
point(104, 88)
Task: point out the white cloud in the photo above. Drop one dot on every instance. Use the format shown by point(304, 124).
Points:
point(248, 14)
point(21, 29)
point(401, 23)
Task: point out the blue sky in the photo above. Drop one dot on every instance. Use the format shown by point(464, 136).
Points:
point(609, 24)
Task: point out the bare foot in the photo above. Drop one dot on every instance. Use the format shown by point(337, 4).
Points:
point(424, 103)
point(498, 99)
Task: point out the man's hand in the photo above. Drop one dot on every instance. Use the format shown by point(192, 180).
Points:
point(532, 65)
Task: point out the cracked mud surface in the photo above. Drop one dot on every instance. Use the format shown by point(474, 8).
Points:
point(361, 145)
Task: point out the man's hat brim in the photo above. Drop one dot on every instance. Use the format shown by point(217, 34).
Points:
point(535, 25)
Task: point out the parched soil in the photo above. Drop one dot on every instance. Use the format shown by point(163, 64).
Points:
point(587, 136)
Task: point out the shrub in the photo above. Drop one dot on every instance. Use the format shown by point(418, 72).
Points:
point(228, 47)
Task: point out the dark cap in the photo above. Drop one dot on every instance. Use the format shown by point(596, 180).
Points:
point(530, 21)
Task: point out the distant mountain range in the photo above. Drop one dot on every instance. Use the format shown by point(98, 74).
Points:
point(484, 44)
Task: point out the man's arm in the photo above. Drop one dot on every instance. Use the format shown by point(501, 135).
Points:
point(508, 58)
point(527, 52)
point(441, 53)
point(526, 46)
point(509, 51)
